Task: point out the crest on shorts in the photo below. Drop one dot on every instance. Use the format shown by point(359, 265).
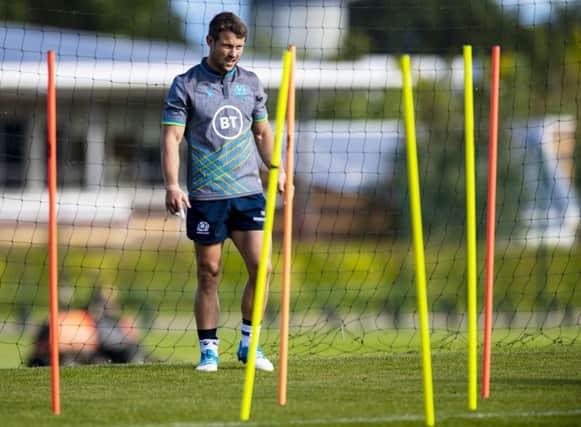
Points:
point(203, 227)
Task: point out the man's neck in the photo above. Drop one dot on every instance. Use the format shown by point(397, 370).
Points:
point(212, 68)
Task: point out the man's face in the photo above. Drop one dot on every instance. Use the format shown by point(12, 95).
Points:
point(225, 52)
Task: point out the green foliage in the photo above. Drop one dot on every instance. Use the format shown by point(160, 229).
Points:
point(147, 19)
point(431, 26)
point(441, 160)
point(356, 44)
point(441, 27)
point(358, 104)
point(351, 279)
point(539, 76)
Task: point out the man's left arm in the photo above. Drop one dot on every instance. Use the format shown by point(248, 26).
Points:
point(264, 139)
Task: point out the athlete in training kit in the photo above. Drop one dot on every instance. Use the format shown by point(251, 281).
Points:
point(220, 108)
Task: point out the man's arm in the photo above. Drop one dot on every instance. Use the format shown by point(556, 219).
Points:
point(175, 198)
point(265, 143)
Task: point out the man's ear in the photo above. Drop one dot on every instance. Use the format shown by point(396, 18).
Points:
point(209, 40)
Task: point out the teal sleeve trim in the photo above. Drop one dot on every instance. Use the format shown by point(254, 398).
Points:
point(261, 119)
point(170, 123)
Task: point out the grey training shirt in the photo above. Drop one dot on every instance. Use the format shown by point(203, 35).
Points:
point(218, 112)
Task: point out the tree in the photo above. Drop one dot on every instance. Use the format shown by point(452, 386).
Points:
point(147, 19)
point(441, 159)
point(541, 62)
point(431, 26)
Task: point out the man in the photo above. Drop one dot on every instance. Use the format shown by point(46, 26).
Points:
point(220, 107)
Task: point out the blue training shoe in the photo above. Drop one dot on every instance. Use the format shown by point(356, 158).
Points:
point(208, 361)
point(261, 362)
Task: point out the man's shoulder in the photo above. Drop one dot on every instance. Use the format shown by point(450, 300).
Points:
point(189, 74)
point(246, 74)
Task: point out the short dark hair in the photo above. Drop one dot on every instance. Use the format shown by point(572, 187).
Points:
point(227, 21)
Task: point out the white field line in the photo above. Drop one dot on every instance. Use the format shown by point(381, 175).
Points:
point(376, 420)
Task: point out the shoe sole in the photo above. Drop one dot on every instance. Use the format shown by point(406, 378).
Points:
point(259, 367)
point(265, 368)
point(207, 368)
point(257, 363)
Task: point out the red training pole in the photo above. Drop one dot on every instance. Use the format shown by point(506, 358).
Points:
point(52, 238)
point(491, 219)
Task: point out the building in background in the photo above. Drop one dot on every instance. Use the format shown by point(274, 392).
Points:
point(198, 13)
point(316, 27)
point(110, 94)
point(551, 205)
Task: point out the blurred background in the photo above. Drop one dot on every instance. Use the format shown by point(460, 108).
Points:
point(352, 281)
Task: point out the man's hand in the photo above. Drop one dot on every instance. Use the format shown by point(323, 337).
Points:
point(175, 200)
point(282, 184)
point(281, 180)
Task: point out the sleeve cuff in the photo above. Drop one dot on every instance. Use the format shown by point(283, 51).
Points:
point(172, 123)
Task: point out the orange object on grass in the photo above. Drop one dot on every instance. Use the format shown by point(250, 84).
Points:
point(77, 332)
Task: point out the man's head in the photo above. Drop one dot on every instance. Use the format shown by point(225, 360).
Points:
point(227, 21)
point(226, 38)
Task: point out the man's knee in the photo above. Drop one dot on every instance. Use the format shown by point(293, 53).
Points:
point(253, 270)
point(209, 272)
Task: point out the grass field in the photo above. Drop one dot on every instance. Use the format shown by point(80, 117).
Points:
point(530, 387)
point(343, 370)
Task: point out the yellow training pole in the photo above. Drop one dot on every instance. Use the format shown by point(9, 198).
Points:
point(418, 240)
point(470, 229)
point(259, 292)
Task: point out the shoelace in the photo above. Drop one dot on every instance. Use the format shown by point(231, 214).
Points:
point(209, 354)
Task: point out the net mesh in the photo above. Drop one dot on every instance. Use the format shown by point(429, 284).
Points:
point(124, 260)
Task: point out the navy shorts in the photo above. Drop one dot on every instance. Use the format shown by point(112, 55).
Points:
point(212, 221)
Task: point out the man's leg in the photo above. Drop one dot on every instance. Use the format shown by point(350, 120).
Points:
point(249, 244)
point(207, 303)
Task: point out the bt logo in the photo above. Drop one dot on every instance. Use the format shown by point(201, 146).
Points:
point(227, 122)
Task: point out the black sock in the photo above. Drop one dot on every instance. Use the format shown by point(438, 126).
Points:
point(208, 334)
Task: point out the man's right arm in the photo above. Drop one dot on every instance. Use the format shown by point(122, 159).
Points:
point(175, 198)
